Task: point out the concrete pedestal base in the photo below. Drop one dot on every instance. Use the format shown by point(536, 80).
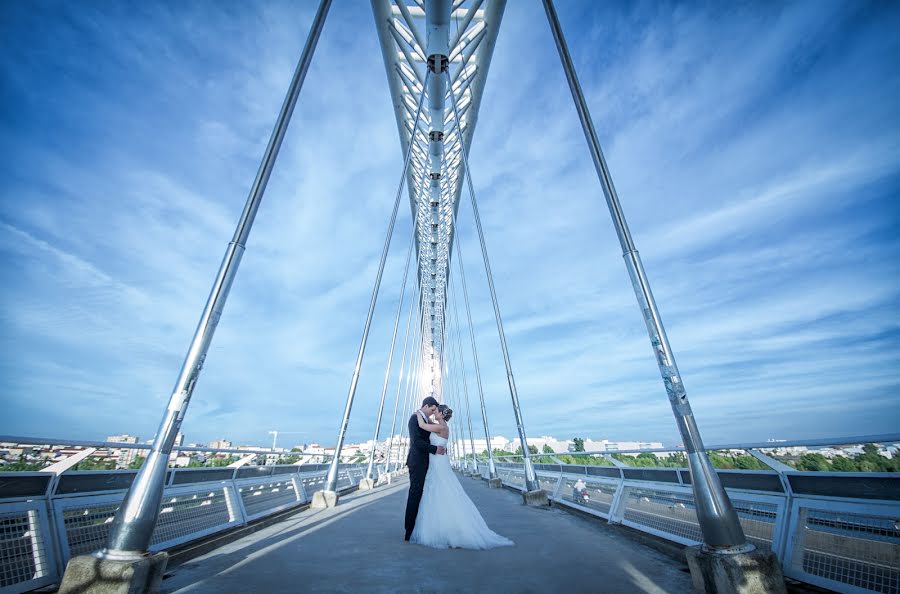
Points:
point(756, 572)
point(87, 574)
point(495, 483)
point(366, 485)
point(535, 498)
point(323, 499)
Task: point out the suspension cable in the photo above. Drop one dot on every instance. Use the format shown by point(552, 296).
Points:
point(331, 480)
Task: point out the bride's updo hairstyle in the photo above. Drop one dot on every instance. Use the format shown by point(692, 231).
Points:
point(446, 411)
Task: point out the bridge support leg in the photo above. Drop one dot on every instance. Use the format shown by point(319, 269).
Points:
point(323, 499)
point(495, 483)
point(366, 484)
point(87, 573)
point(124, 565)
point(535, 498)
point(719, 523)
point(734, 573)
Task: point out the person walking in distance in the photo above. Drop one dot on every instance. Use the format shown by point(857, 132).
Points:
point(417, 461)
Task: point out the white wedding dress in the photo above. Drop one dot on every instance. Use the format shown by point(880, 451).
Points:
point(447, 517)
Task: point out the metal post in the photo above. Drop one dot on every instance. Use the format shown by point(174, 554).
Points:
point(400, 384)
point(492, 468)
point(452, 399)
point(531, 482)
point(718, 519)
point(387, 371)
point(411, 382)
point(459, 430)
point(462, 370)
point(134, 522)
point(332, 477)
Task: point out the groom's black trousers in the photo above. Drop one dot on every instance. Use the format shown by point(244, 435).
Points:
point(416, 485)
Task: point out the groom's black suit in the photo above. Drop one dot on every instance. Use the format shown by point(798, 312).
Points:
point(417, 461)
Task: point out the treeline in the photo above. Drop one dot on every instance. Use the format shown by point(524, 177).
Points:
point(868, 461)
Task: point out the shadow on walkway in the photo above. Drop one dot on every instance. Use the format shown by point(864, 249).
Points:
point(358, 546)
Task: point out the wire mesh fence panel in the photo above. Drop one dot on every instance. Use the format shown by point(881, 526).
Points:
point(665, 513)
point(344, 480)
point(268, 497)
point(548, 482)
point(841, 548)
point(759, 520)
point(25, 548)
point(185, 515)
point(595, 495)
point(671, 514)
point(86, 523)
point(513, 477)
point(313, 483)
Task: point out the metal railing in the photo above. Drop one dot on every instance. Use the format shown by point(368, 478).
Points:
point(832, 529)
point(47, 518)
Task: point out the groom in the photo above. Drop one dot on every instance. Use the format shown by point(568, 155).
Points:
point(417, 461)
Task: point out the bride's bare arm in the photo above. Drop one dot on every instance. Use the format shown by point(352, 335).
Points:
point(433, 427)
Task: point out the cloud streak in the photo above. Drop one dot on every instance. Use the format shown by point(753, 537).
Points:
point(756, 150)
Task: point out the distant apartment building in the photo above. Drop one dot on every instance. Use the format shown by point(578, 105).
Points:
point(220, 444)
point(124, 456)
point(558, 446)
point(605, 445)
point(124, 438)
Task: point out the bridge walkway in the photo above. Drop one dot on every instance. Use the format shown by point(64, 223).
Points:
point(358, 546)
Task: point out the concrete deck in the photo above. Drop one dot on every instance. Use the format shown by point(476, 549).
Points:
point(358, 546)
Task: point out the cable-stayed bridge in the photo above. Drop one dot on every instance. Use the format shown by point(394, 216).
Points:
point(102, 531)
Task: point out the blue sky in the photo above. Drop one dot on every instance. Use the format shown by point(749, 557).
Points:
point(755, 148)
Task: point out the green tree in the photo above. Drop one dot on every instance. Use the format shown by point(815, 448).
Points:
point(720, 461)
point(23, 465)
point(871, 461)
point(95, 464)
point(578, 444)
point(646, 459)
point(749, 463)
point(842, 464)
point(547, 449)
point(137, 462)
point(813, 461)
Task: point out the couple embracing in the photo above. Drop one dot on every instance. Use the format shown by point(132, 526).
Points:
point(439, 514)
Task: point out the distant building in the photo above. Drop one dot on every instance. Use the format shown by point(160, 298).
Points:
point(605, 445)
point(498, 442)
point(180, 460)
point(220, 444)
point(558, 446)
point(123, 456)
point(124, 438)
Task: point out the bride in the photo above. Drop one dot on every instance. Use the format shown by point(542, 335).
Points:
point(447, 517)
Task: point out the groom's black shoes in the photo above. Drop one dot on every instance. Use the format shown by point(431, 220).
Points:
point(406, 538)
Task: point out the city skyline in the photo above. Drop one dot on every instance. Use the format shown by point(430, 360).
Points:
point(760, 181)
